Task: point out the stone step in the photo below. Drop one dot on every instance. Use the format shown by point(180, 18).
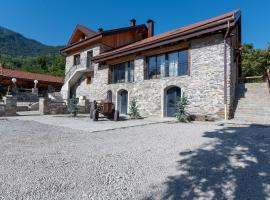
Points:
point(253, 102)
point(252, 115)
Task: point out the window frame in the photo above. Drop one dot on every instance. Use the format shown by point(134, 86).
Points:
point(128, 71)
point(75, 59)
point(166, 67)
point(89, 56)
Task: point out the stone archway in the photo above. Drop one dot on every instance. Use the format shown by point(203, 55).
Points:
point(171, 94)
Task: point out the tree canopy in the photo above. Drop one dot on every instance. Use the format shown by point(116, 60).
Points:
point(53, 65)
point(255, 61)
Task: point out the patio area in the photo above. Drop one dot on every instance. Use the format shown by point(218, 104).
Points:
point(84, 123)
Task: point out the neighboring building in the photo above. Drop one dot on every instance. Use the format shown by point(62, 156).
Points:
point(201, 61)
point(25, 80)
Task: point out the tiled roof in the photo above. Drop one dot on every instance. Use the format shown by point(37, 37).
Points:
point(163, 36)
point(30, 76)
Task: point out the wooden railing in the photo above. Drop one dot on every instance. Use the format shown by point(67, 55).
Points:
point(251, 79)
point(268, 78)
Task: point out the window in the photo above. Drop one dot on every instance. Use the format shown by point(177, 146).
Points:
point(169, 64)
point(89, 58)
point(77, 59)
point(109, 96)
point(123, 72)
point(183, 62)
point(173, 63)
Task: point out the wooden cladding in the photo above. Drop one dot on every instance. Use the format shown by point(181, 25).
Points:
point(148, 53)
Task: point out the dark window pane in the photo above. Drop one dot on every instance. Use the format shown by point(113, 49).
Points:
point(89, 58)
point(76, 59)
point(166, 66)
point(131, 71)
point(121, 73)
point(152, 67)
point(183, 62)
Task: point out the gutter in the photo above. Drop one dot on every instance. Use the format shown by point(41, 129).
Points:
point(225, 72)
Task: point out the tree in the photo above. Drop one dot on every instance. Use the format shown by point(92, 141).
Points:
point(181, 106)
point(255, 61)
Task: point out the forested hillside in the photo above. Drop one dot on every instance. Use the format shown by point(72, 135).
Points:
point(19, 52)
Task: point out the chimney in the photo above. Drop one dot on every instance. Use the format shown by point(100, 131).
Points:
point(133, 22)
point(100, 29)
point(150, 24)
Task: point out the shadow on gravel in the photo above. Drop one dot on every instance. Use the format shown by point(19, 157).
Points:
point(235, 167)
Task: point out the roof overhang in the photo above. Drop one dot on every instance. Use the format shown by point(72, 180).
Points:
point(196, 31)
point(97, 37)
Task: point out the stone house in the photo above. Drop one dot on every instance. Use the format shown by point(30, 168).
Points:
point(201, 61)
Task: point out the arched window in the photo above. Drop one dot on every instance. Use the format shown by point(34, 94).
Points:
point(109, 96)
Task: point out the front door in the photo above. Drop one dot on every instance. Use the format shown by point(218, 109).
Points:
point(171, 98)
point(123, 101)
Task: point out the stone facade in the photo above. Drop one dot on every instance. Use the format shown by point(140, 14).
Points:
point(204, 87)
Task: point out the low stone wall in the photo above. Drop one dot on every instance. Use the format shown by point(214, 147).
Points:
point(49, 107)
point(2, 110)
point(10, 105)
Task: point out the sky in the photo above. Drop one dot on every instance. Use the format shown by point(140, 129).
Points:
point(53, 21)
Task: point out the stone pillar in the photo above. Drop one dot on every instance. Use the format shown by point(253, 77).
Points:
point(35, 91)
point(10, 105)
point(43, 106)
point(139, 69)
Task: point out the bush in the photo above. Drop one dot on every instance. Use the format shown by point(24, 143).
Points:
point(181, 105)
point(72, 106)
point(133, 110)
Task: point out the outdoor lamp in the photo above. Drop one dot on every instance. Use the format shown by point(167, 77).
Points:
point(13, 80)
point(36, 82)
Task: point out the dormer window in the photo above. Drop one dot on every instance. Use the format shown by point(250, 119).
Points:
point(77, 59)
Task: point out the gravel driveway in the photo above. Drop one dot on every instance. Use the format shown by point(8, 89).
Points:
point(159, 161)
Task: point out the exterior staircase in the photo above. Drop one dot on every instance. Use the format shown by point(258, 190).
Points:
point(253, 103)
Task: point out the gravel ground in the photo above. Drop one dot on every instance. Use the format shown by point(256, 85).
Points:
point(158, 161)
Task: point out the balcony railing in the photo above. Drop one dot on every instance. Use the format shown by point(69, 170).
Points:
point(88, 66)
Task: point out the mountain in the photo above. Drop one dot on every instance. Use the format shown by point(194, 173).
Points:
point(15, 44)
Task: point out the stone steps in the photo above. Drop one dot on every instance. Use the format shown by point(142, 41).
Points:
point(253, 103)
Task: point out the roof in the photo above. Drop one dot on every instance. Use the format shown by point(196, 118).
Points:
point(184, 31)
point(98, 35)
point(86, 31)
point(30, 76)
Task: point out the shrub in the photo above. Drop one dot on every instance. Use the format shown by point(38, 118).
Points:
point(133, 110)
point(72, 106)
point(181, 105)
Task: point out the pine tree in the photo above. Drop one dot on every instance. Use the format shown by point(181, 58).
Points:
point(181, 105)
point(133, 109)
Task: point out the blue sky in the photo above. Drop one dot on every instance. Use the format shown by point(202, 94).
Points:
point(52, 21)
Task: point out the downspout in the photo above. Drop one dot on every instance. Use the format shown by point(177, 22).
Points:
point(225, 72)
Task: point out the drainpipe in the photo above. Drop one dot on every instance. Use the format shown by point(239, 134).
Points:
point(225, 72)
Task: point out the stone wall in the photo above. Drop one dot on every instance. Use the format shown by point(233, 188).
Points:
point(204, 87)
